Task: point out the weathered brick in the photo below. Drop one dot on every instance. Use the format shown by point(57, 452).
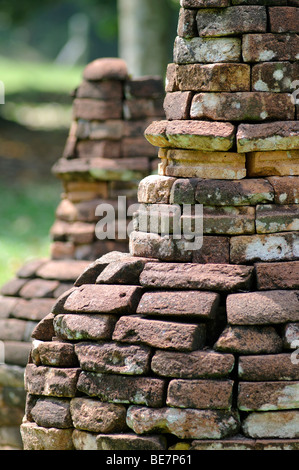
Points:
point(39, 288)
point(290, 334)
point(67, 270)
point(113, 358)
point(123, 389)
point(258, 308)
point(179, 303)
point(136, 146)
point(100, 90)
point(187, 26)
point(280, 135)
point(32, 309)
point(234, 193)
point(286, 189)
point(52, 413)
point(55, 354)
point(269, 47)
point(277, 275)
point(193, 276)
point(232, 20)
point(274, 77)
point(228, 220)
point(185, 424)
point(272, 218)
point(44, 330)
point(204, 3)
point(121, 442)
point(13, 287)
point(194, 365)
point(112, 299)
point(183, 191)
point(171, 78)
point(201, 394)
point(106, 69)
point(94, 416)
point(268, 367)
point(89, 109)
point(249, 340)
point(271, 247)
point(275, 163)
point(153, 245)
point(242, 106)
point(284, 19)
point(84, 326)
point(97, 149)
point(159, 334)
point(39, 438)
point(155, 189)
point(206, 50)
point(144, 87)
point(215, 250)
point(97, 130)
point(280, 424)
point(213, 77)
point(51, 381)
point(204, 164)
point(139, 108)
point(177, 105)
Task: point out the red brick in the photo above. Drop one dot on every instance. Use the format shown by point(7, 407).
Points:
point(177, 105)
point(214, 250)
point(187, 27)
point(89, 109)
point(284, 19)
point(268, 367)
point(269, 47)
point(277, 275)
point(105, 69)
point(274, 76)
point(104, 90)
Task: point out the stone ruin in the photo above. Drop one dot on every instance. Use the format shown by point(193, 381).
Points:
point(179, 346)
point(105, 156)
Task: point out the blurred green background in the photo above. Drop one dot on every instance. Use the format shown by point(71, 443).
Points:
point(44, 47)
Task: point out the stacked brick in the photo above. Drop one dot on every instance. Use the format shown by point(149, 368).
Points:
point(104, 158)
point(105, 155)
point(174, 348)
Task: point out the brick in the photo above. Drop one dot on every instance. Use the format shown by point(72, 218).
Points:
point(84, 327)
point(260, 2)
point(171, 83)
point(144, 87)
point(13, 287)
point(39, 288)
point(125, 442)
point(97, 130)
point(177, 105)
point(55, 354)
point(275, 163)
point(159, 334)
point(28, 270)
point(183, 191)
point(284, 19)
point(100, 90)
point(290, 334)
point(7, 305)
point(101, 110)
point(274, 424)
point(271, 247)
point(62, 270)
point(206, 50)
point(277, 275)
point(39, 438)
point(185, 424)
point(242, 106)
point(213, 77)
point(278, 135)
point(272, 218)
point(44, 330)
point(228, 220)
point(155, 133)
point(113, 299)
point(126, 271)
point(276, 77)
point(52, 413)
point(51, 381)
point(194, 365)
point(153, 245)
point(269, 47)
point(187, 26)
point(286, 189)
point(179, 303)
point(97, 149)
point(232, 20)
point(123, 389)
point(105, 69)
point(33, 309)
point(205, 164)
point(139, 108)
point(258, 308)
point(18, 352)
point(200, 394)
point(237, 443)
point(204, 3)
point(113, 358)
point(214, 250)
point(95, 416)
point(136, 146)
point(234, 193)
point(268, 367)
point(249, 340)
point(193, 276)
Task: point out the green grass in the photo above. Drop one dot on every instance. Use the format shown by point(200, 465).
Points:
point(26, 215)
point(39, 77)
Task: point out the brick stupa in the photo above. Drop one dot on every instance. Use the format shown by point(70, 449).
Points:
point(169, 347)
point(105, 157)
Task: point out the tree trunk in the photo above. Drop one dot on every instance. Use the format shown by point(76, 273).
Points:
point(143, 36)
